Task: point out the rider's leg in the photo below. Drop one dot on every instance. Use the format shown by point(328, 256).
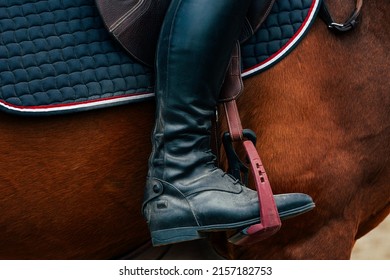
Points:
point(186, 194)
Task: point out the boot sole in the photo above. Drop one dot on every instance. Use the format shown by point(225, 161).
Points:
point(181, 234)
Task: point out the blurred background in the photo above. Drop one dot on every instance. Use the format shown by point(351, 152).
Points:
point(375, 245)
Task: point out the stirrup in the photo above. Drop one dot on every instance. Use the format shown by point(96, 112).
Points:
point(269, 216)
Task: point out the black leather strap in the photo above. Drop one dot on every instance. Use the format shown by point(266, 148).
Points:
point(349, 24)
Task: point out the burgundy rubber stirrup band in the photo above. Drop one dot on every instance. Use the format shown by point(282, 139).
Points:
point(269, 216)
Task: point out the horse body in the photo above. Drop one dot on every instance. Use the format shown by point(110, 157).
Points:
point(324, 130)
point(71, 186)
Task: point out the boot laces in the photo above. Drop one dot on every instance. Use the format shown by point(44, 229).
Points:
point(234, 179)
point(212, 162)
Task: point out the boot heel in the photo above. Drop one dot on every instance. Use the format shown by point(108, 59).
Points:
point(175, 235)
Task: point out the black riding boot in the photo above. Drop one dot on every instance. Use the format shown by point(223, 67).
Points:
point(186, 194)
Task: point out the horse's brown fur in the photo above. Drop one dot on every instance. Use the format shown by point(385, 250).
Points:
point(71, 186)
point(323, 124)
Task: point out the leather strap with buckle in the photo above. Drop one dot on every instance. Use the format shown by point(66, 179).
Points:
point(349, 24)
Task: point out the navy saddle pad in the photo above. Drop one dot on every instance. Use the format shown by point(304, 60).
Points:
point(57, 57)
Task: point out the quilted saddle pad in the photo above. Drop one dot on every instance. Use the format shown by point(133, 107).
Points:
point(57, 57)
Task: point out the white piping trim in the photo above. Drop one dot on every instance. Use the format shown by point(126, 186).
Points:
point(81, 105)
point(288, 47)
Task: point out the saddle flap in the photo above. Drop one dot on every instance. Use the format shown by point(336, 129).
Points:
point(136, 24)
point(232, 86)
point(258, 12)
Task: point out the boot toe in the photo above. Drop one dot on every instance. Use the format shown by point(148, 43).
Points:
point(293, 204)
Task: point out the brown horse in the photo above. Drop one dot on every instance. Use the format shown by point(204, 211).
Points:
point(71, 186)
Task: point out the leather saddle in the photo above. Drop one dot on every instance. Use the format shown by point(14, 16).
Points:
point(136, 23)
